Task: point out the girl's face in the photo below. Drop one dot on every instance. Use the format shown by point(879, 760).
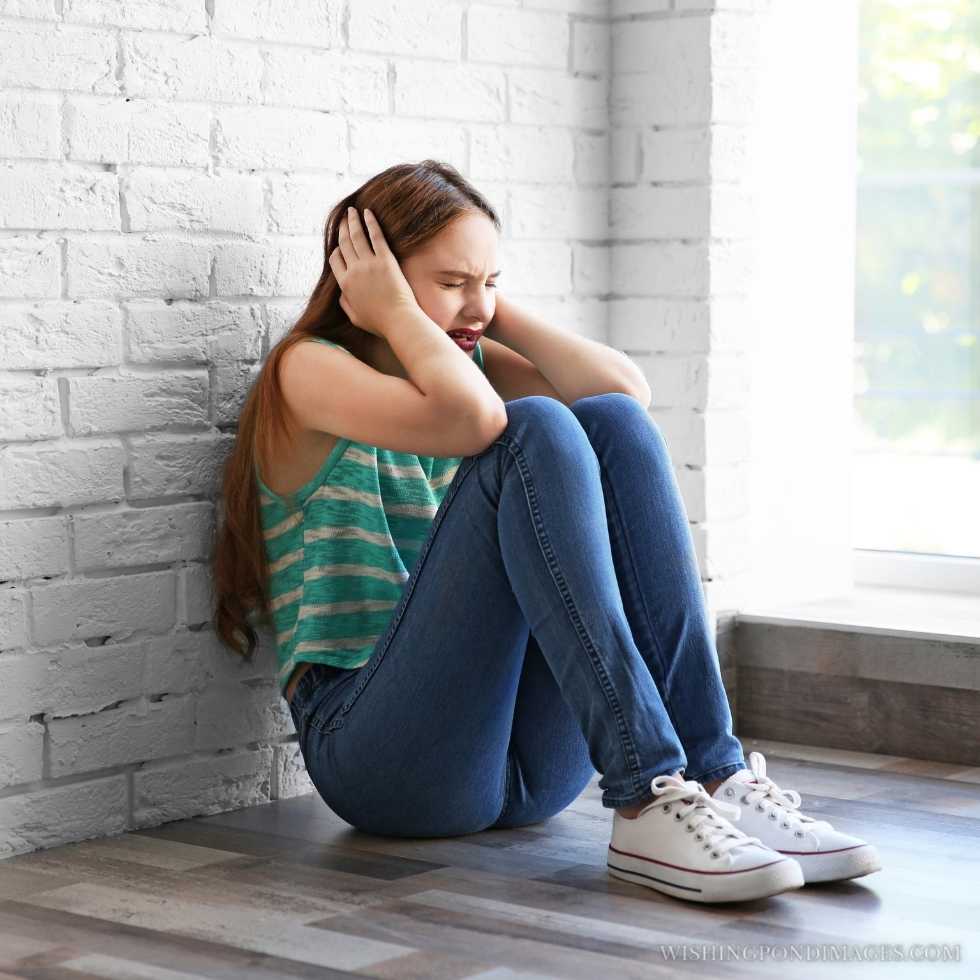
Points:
point(455, 275)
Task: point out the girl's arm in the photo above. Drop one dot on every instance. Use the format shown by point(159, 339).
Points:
point(574, 366)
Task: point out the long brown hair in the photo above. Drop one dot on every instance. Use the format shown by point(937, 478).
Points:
point(412, 202)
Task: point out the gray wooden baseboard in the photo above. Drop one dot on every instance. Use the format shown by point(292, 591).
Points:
point(903, 695)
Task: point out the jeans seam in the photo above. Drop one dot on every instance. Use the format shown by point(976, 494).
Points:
point(710, 774)
point(629, 750)
point(665, 695)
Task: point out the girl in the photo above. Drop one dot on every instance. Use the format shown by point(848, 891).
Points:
point(465, 530)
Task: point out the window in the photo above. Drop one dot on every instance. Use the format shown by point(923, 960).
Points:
point(916, 476)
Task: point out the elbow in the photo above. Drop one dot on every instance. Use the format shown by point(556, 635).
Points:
point(644, 396)
point(635, 384)
point(491, 428)
point(477, 429)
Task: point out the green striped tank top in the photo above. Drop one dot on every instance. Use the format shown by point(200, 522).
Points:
point(340, 557)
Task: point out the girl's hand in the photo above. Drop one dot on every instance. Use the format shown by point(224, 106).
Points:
point(372, 283)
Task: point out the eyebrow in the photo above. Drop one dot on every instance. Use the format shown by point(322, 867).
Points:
point(463, 275)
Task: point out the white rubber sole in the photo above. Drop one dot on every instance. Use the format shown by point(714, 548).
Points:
point(850, 862)
point(780, 875)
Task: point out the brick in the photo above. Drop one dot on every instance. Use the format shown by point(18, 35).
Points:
point(380, 143)
point(327, 81)
point(61, 58)
point(53, 196)
point(179, 16)
point(436, 91)
point(557, 212)
point(78, 609)
point(13, 618)
point(134, 265)
point(33, 546)
point(196, 69)
point(143, 536)
point(59, 334)
point(299, 21)
point(194, 332)
point(280, 139)
point(160, 200)
point(133, 131)
point(266, 269)
point(134, 731)
point(591, 46)
point(176, 790)
point(559, 98)
point(30, 125)
point(421, 29)
point(21, 753)
point(29, 409)
point(540, 154)
point(61, 474)
point(114, 403)
point(165, 465)
point(31, 267)
point(78, 811)
point(517, 37)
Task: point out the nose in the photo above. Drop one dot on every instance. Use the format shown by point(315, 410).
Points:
point(481, 307)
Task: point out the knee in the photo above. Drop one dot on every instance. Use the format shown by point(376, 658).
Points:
point(610, 406)
point(542, 408)
point(618, 413)
point(545, 422)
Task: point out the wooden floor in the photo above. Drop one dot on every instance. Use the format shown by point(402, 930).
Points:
point(289, 890)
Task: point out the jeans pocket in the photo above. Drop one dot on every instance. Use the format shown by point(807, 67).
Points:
point(326, 701)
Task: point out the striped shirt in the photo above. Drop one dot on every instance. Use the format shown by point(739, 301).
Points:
point(339, 559)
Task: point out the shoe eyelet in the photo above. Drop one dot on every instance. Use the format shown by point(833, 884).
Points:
point(690, 829)
point(707, 847)
point(729, 792)
point(698, 837)
point(799, 833)
point(785, 826)
point(666, 808)
point(772, 816)
point(715, 854)
point(677, 816)
point(759, 807)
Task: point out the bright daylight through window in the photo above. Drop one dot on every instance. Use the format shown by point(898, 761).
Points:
point(916, 475)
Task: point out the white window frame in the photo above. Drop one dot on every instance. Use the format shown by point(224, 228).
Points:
point(912, 570)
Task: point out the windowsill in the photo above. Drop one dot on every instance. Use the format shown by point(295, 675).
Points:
point(891, 611)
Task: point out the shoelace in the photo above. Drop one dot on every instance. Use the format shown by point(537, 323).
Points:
point(704, 814)
point(787, 801)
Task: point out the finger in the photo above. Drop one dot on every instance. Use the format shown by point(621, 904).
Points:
point(344, 242)
point(356, 231)
point(336, 262)
point(378, 241)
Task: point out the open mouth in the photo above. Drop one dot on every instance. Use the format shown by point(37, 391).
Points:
point(465, 338)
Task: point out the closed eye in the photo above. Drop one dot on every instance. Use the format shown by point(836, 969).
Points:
point(456, 285)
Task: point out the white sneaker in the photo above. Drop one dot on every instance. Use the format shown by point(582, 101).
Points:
point(773, 815)
point(682, 844)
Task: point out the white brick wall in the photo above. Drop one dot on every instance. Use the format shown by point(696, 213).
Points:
point(165, 168)
point(680, 236)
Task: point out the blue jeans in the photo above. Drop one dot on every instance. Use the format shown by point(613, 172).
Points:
point(553, 626)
